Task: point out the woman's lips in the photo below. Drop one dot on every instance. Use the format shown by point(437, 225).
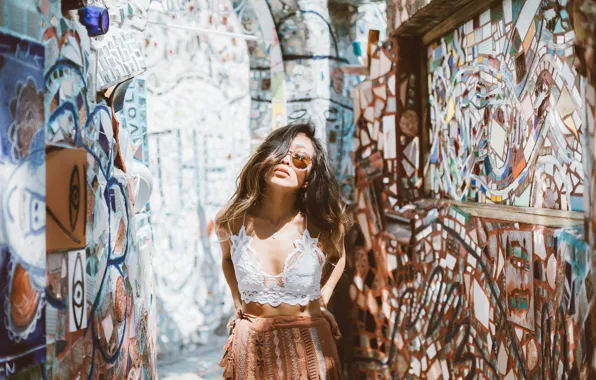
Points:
point(280, 170)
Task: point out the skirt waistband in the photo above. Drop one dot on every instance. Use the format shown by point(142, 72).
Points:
point(270, 323)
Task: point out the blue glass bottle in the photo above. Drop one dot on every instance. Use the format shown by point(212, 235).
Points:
point(96, 19)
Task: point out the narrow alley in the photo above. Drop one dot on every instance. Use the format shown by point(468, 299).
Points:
point(438, 223)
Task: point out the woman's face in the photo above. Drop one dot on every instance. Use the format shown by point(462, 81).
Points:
point(285, 175)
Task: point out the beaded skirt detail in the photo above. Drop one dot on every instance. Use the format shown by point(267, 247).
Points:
point(276, 348)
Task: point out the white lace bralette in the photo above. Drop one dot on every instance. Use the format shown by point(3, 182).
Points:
point(297, 284)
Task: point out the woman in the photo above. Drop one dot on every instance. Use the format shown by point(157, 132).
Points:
point(283, 253)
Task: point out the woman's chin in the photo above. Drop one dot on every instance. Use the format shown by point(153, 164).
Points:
point(284, 184)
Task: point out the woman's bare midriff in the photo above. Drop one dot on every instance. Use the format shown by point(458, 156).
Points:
point(313, 309)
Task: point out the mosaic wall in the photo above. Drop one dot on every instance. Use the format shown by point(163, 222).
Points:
point(133, 117)
point(316, 41)
point(120, 52)
point(459, 296)
point(583, 17)
point(198, 134)
point(99, 316)
point(303, 81)
point(99, 319)
point(267, 89)
point(387, 148)
point(76, 258)
point(371, 292)
point(22, 201)
point(516, 295)
point(369, 16)
point(505, 109)
point(475, 297)
point(387, 158)
point(26, 19)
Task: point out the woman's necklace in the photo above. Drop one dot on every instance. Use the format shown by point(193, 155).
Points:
point(275, 234)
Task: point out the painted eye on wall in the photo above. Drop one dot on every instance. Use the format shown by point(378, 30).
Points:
point(77, 313)
point(37, 209)
point(66, 199)
point(297, 114)
point(331, 115)
point(74, 201)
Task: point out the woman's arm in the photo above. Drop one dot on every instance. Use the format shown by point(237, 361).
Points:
point(333, 279)
point(230, 274)
point(228, 266)
point(327, 291)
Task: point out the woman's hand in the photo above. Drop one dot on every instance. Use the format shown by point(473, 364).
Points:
point(334, 326)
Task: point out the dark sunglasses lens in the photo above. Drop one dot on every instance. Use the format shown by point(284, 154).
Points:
point(300, 161)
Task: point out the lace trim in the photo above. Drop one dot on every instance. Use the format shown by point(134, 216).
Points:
point(304, 245)
point(254, 296)
point(240, 240)
point(245, 257)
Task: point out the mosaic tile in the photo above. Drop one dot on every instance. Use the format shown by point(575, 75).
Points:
point(22, 205)
point(513, 141)
point(94, 257)
point(397, 121)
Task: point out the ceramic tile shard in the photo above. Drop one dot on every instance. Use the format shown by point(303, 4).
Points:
point(515, 107)
point(77, 301)
point(22, 198)
point(443, 283)
point(94, 235)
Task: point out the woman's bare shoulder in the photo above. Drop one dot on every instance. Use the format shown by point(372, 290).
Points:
point(220, 213)
point(235, 224)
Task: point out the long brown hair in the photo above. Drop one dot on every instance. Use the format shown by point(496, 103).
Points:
point(320, 201)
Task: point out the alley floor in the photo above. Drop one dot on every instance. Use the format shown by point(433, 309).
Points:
point(201, 363)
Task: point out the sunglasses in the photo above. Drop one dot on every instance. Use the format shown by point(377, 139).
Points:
point(300, 160)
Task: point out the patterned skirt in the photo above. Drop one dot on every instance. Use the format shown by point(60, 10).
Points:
point(276, 348)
